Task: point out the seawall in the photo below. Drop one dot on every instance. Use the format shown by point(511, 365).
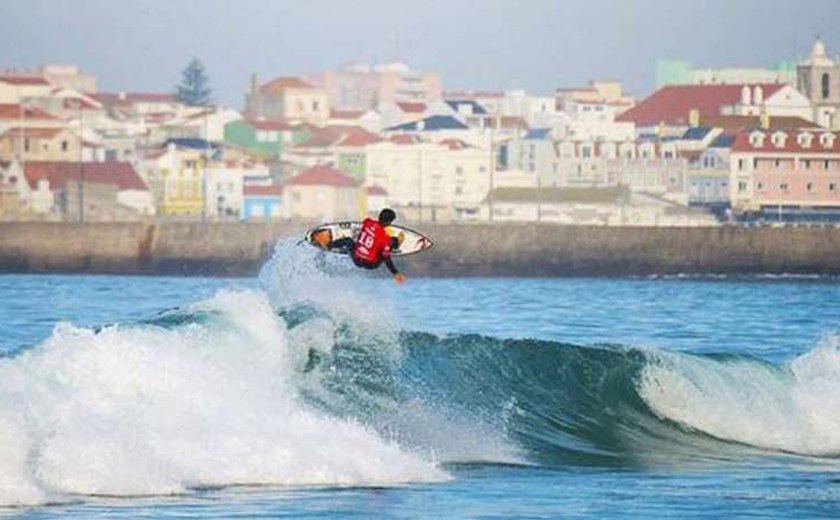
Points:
point(239, 249)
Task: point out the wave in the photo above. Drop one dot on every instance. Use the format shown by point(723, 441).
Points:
point(294, 385)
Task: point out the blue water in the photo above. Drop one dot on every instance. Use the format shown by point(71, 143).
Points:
point(540, 380)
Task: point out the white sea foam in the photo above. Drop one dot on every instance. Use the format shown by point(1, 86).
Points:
point(147, 410)
point(793, 408)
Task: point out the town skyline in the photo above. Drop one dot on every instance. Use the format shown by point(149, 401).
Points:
point(622, 40)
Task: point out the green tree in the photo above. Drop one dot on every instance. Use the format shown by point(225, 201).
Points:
point(194, 90)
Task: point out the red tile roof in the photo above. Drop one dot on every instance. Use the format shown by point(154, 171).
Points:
point(262, 191)
point(358, 139)
point(9, 111)
point(742, 142)
point(275, 125)
point(121, 174)
point(407, 106)
point(322, 176)
point(404, 139)
point(672, 104)
point(32, 133)
point(454, 144)
point(15, 79)
point(376, 191)
point(286, 82)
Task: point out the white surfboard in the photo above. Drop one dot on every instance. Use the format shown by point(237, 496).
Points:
point(324, 235)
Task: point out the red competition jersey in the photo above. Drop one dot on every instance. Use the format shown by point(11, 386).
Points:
point(373, 244)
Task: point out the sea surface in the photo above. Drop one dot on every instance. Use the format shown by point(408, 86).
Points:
point(318, 391)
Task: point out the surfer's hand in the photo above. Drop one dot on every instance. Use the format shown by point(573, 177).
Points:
point(399, 278)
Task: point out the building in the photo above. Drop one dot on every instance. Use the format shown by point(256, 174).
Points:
point(607, 94)
point(818, 78)
point(149, 106)
point(102, 191)
point(786, 175)
point(649, 166)
point(708, 175)
point(362, 87)
point(431, 180)
point(44, 144)
point(69, 77)
point(321, 193)
point(207, 123)
point(176, 178)
point(671, 110)
point(262, 202)
point(263, 138)
point(287, 98)
point(17, 87)
point(680, 72)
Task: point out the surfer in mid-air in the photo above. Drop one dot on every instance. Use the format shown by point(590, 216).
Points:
point(373, 246)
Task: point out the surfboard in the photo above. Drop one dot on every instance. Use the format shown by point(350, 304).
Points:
point(324, 236)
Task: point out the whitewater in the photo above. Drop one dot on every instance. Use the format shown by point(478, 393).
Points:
point(316, 377)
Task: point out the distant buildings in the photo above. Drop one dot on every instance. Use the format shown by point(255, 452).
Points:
point(321, 193)
point(792, 174)
point(818, 78)
point(670, 111)
point(679, 72)
point(362, 87)
point(287, 98)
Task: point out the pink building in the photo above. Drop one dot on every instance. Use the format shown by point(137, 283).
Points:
point(778, 172)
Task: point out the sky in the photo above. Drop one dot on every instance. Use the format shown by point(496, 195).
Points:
point(538, 45)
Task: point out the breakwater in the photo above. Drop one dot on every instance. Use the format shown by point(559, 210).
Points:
point(239, 249)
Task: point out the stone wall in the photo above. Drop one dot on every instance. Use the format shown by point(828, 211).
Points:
point(190, 248)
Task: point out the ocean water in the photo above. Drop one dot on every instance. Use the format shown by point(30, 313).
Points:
point(317, 391)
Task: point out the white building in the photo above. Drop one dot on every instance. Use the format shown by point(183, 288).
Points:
point(442, 180)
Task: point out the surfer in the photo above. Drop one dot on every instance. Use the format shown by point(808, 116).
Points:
point(373, 246)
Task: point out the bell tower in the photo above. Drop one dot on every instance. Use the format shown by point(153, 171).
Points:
point(818, 78)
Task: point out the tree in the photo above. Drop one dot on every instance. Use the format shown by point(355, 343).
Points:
point(193, 90)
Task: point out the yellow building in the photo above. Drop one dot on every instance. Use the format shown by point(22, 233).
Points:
point(175, 178)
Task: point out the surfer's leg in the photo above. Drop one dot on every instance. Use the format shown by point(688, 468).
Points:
point(343, 245)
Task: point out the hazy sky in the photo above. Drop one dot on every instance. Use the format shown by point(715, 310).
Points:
point(142, 45)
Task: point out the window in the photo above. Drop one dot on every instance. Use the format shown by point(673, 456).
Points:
point(755, 164)
point(26, 144)
point(742, 186)
point(760, 186)
point(63, 146)
point(832, 187)
point(809, 187)
point(807, 163)
point(741, 164)
point(826, 164)
point(778, 163)
point(826, 90)
point(783, 187)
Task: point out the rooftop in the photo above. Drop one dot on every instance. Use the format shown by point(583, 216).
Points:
point(121, 174)
point(321, 176)
point(672, 104)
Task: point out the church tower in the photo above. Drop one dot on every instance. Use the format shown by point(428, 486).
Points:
point(818, 78)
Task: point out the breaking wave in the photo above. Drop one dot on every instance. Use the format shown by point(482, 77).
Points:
point(293, 386)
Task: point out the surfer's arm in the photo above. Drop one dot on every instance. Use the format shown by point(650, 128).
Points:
point(391, 267)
